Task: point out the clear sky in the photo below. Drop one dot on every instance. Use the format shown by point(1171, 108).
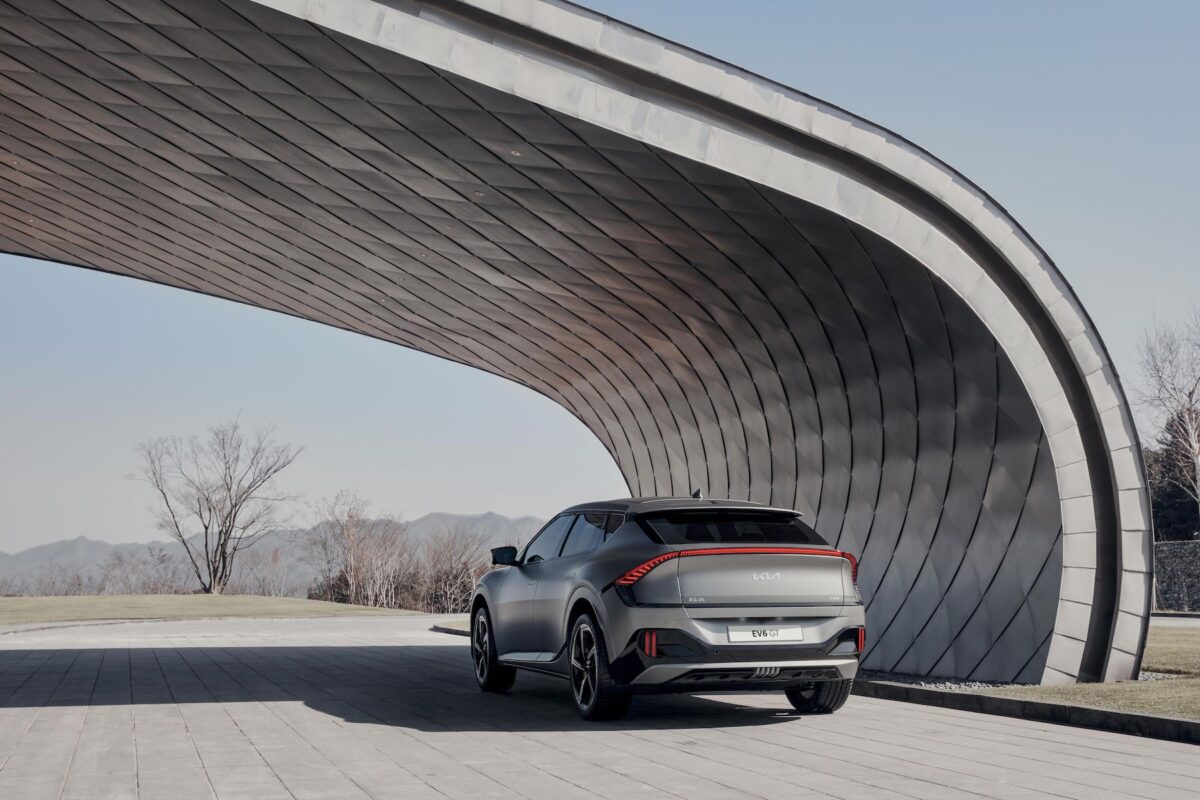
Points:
point(1082, 118)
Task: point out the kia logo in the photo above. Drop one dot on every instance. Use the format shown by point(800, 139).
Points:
point(766, 576)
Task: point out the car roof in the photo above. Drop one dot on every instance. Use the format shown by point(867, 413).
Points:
point(644, 505)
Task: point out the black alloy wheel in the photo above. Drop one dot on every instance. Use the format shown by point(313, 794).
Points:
point(491, 675)
point(597, 696)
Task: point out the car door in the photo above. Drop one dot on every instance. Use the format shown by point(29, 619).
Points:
point(558, 580)
point(513, 620)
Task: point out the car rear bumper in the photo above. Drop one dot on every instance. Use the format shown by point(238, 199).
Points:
point(692, 651)
point(683, 663)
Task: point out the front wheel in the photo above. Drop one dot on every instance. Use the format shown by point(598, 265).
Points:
point(489, 672)
point(597, 696)
point(820, 698)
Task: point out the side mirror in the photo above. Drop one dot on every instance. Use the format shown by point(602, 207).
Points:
point(504, 556)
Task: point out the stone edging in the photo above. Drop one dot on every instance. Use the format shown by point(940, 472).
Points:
point(451, 631)
point(1170, 728)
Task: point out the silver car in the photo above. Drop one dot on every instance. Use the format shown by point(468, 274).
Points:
point(672, 595)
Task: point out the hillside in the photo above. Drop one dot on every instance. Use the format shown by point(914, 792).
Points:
point(88, 556)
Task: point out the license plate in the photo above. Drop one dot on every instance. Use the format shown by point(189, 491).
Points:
point(766, 633)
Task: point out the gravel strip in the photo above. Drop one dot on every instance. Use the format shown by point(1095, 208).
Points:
point(941, 684)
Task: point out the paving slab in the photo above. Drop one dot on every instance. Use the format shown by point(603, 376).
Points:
point(382, 707)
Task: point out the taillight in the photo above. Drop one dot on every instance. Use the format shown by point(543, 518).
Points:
point(640, 571)
point(637, 573)
point(853, 565)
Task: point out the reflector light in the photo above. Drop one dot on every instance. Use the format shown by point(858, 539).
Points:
point(862, 639)
point(637, 573)
point(649, 640)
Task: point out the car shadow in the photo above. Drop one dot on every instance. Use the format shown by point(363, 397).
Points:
point(418, 687)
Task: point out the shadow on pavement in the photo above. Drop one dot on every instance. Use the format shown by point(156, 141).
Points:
point(419, 687)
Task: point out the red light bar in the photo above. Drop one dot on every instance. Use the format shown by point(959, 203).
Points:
point(862, 640)
point(637, 573)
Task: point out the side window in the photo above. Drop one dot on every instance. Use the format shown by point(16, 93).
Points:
point(613, 522)
point(586, 536)
point(546, 544)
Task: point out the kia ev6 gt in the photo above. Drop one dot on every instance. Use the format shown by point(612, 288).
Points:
point(672, 595)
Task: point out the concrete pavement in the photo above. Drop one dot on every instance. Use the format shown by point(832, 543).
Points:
point(381, 707)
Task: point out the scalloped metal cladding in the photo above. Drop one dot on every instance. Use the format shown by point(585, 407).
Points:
point(733, 285)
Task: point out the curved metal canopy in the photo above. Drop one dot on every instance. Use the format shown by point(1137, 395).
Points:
point(733, 285)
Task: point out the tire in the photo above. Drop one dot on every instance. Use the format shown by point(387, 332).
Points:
point(820, 698)
point(596, 695)
point(491, 675)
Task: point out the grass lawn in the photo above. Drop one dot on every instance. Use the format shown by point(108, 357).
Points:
point(1170, 649)
point(34, 610)
point(1174, 650)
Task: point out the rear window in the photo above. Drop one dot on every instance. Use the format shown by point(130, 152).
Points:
point(730, 528)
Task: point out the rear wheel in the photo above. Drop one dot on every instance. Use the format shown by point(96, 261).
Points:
point(819, 698)
point(597, 696)
point(489, 672)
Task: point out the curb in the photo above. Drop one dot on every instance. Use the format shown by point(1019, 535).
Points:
point(1169, 728)
point(451, 631)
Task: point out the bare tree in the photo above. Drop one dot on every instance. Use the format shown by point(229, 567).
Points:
point(61, 579)
point(372, 561)
point(263, 572)
point(164, 573)
point(338, 521)
point(154, 571)
point(322, 551)
point(453, 562)
point(1170, 361)
point(336, 545)
point(359, 558)
point(217, 495)
point(391, 568)
point(120, 575)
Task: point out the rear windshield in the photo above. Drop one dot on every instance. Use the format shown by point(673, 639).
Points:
point(730, 527)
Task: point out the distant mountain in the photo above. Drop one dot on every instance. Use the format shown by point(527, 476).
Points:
point(78, 552)
point(88, 556)
point(497, 530)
